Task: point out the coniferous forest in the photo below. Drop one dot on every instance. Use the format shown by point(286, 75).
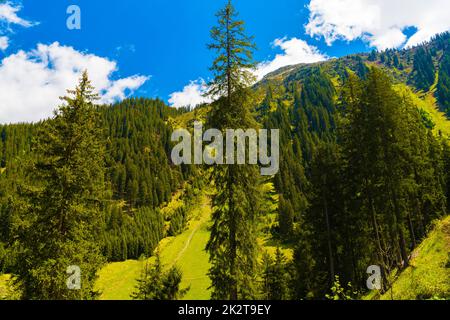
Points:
point(364, 180)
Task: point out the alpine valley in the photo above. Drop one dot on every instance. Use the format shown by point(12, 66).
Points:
point(364, 180)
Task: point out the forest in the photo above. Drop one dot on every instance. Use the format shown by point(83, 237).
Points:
point(364, 179)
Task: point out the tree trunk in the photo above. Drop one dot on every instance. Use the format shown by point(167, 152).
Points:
point(330, 251)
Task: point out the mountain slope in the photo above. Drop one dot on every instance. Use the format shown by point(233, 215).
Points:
point(428, 276)
point(117, 280)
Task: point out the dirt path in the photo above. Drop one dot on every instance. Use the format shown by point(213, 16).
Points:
point(200, 223)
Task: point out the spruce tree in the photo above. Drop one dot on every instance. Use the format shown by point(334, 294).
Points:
point(233, 245)
point(62, 202)
point(393, 171)
point(443, 87)
point(424, 73)
point(373, 142)
point(157, 284)
point(446, 159)
point(373, 55)
point(285, 218)
point(276, 278)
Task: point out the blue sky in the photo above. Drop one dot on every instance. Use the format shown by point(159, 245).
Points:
point(165, 41)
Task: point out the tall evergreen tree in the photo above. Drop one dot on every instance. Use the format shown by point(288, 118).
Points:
point(446, 158)
point(424, 73)
point(285, 218)
point(443, 87)
point(275, 277)
point(393, 174)
point(232, 245)
point(157, 284)
point(61, 211)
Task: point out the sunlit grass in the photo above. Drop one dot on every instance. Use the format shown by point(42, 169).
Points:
point(117, 281)
point(428, 276)
point(428, 103)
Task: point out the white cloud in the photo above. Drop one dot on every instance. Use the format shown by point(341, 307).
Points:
point(4, 43)
point(118, 89)
point(295, 51)
point(32, 82)
point(192, 95)
point(8, 14)
point(380, 22)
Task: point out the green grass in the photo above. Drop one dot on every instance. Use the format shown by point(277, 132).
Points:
point(194, 260)
point(117, 281)
point(428, 102)
point(428, 276)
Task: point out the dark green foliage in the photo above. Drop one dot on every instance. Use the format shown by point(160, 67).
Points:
point(131, 236)
point(427, 119)
point(446, 169)
point(233, 245)
point(15, 140)
point(338, 292)
point(373, 56)
point(285, 218)
point(441, 41)
point(317, 101)
point(373, 192)
point(396, 61)
point(291, 181)
point(157, 284)
point(138, 152)
point(424, 73)
point(275, 277)
point(390, 170)
point(443, 87)
point(137, 142)
point(316, 106)
point(306, 280)
point(61, 200)
point(326, 205)
point(361, 69)
point(178, 222)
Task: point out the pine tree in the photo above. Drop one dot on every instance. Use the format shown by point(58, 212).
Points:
point(232, 245)
point(443, 87)
point(396, 61)
point(424, 73)
point(285, 218)
point(276, 278)
point(446, 158)
point(157, 284)
point(373, 55)
point(393, 172)
point(304, 264)
point(62, 204)
point(327, 203)
point(373, 138)
point(361, 68)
